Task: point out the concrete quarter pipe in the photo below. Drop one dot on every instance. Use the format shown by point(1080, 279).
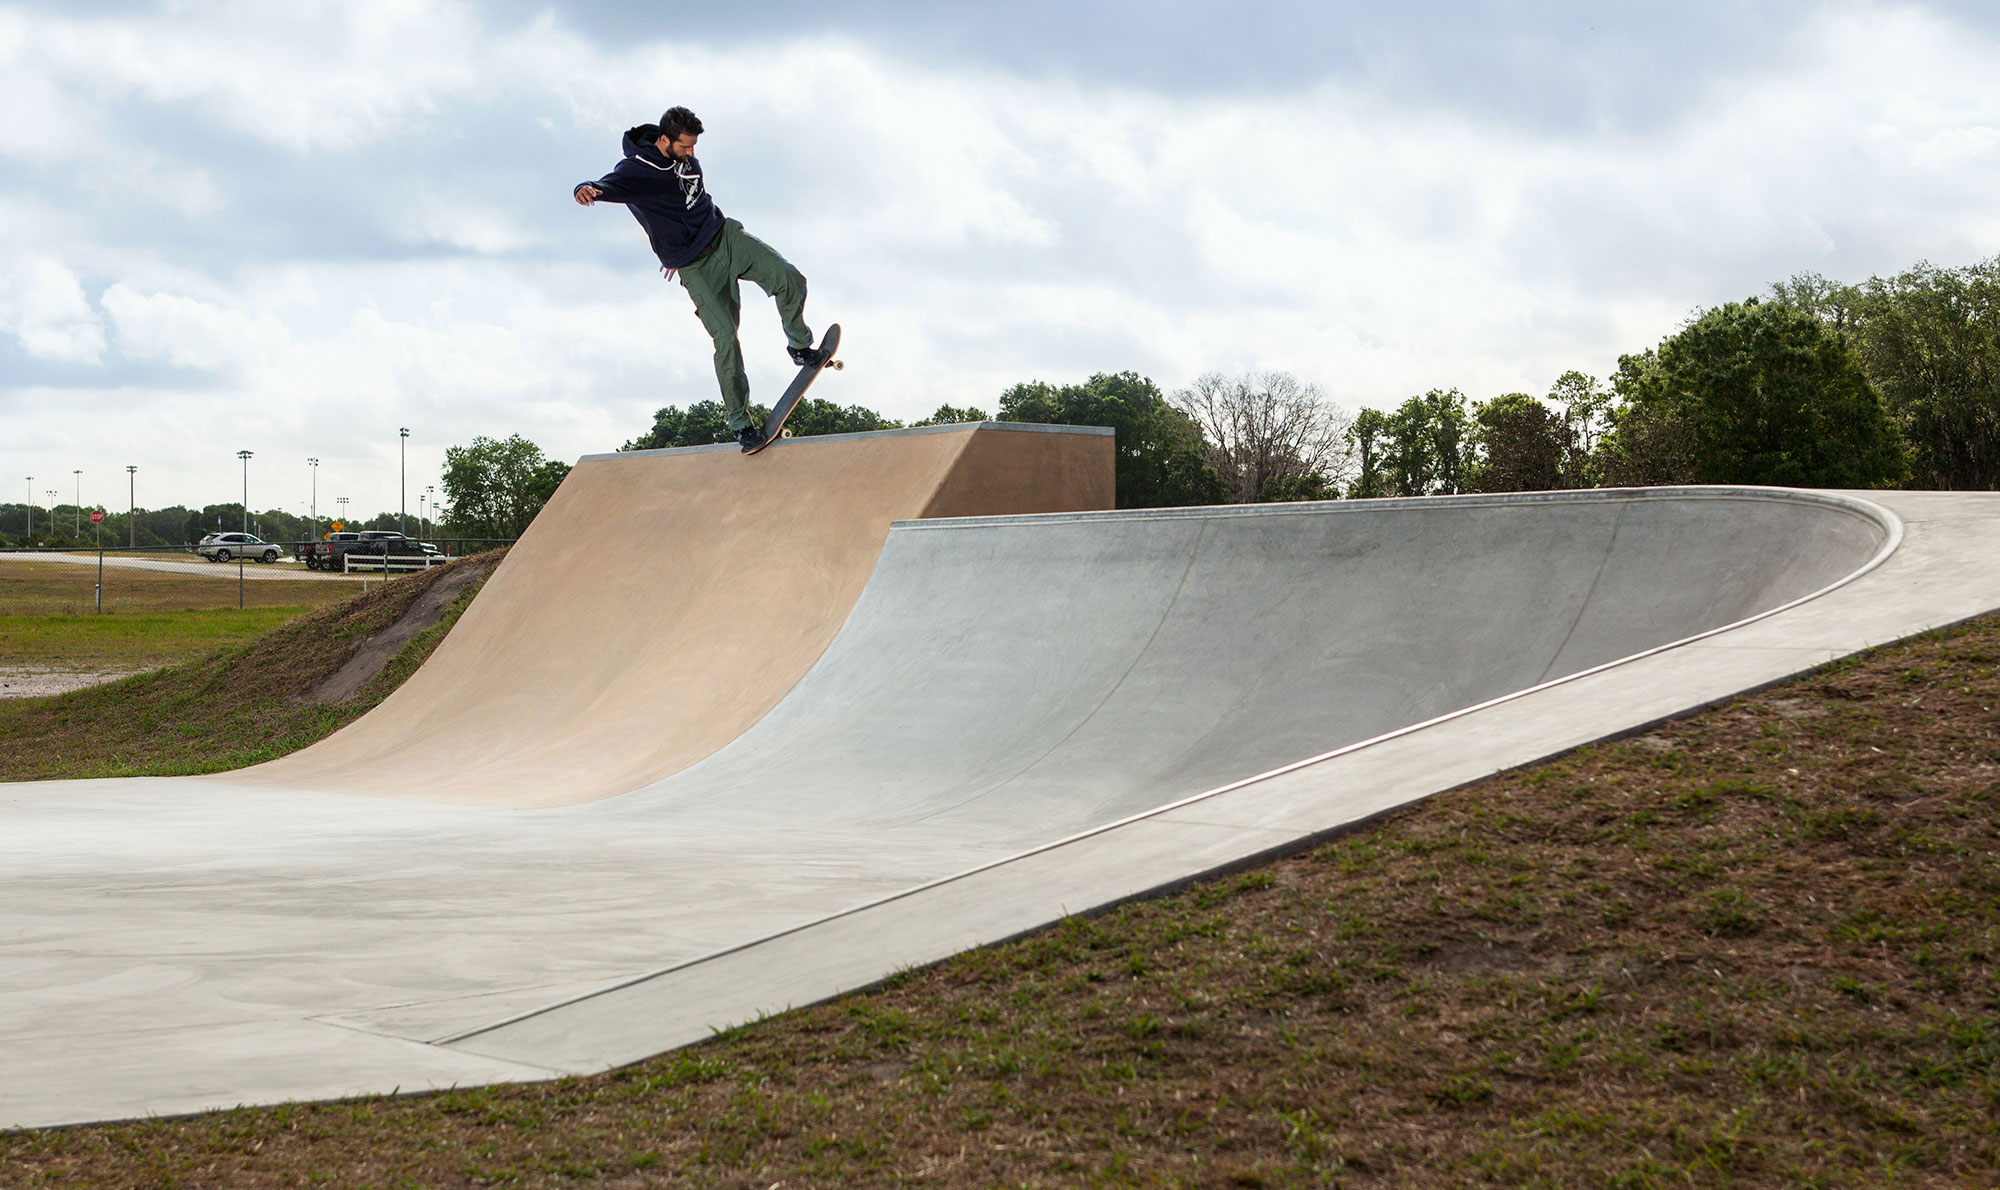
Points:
point(989, 722)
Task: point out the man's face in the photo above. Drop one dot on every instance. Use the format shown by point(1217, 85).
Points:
point(677, 149)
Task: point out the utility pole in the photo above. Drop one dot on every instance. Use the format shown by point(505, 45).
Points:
point(245, 456)
point(132, 516)
point(79, 501)
point(315, 498)
point(403, 485)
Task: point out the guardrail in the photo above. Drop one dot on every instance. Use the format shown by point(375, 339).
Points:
point(354, 560)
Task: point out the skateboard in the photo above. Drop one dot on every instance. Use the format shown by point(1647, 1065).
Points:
point(774, 425)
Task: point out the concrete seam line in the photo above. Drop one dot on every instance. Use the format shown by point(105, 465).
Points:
point(1891, 525)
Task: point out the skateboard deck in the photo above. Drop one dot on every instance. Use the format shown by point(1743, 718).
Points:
point(774, 425)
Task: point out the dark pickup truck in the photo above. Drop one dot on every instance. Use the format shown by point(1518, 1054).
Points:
point(329, 554)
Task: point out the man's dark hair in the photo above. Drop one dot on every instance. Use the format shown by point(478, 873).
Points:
point(676, 121)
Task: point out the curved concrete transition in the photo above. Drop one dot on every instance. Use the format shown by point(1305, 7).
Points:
point(665, 600)
point(989, 722)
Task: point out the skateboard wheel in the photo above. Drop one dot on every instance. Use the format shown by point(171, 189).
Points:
point(836, 365)
point(785, 433)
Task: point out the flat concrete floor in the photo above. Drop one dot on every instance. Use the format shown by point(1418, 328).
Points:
point(1021, 717)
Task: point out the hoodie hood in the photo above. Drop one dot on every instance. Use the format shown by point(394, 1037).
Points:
point(639, 143)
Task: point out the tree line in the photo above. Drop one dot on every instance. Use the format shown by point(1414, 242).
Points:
point(1891, 382)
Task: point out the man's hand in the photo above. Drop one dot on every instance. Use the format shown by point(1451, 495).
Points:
point(585, 195)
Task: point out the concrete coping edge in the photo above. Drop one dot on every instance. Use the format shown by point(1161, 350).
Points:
point(1030, 427)
point(1853, 505)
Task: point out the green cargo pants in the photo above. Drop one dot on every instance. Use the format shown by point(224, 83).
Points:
point(710, 279)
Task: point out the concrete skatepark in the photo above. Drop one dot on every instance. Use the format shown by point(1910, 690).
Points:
point(638, 795)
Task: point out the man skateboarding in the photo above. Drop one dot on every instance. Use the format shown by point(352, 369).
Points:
point(660, 182)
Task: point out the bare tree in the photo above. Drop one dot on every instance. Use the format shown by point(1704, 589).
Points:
point(1268, 435)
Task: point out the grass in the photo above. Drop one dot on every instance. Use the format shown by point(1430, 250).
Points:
point(1755, 947)
point(231, 707)
point(48, 614)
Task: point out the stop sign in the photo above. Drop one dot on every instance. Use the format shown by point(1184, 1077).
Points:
point(96, 516)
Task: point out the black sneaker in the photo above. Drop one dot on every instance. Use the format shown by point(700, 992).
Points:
point(749, 437)
point(806, 357)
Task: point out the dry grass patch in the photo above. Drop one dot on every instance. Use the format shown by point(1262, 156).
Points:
point(235, 706)
point(1753, 948)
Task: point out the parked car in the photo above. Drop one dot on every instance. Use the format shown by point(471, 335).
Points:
point(221, 547)
point(325, 553)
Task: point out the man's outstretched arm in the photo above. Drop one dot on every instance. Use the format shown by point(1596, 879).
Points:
point(624, 184)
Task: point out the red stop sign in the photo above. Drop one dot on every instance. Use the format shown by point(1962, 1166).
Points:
point(96, 516)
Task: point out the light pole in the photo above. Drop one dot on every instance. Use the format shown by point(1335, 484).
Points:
point(245, 456)
point(132, 515)
point(52, 510)
point(31, 509)
point(403, 484)
point(342, 501)
point(315, 501)
point(434, 504)
point(79, 501)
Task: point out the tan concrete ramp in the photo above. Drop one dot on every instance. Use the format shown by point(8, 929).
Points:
point(664, 601)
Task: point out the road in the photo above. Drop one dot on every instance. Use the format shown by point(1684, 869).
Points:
point(189, 564)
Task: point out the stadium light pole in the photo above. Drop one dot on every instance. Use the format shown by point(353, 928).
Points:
point(342, 501)
point(434, 504)
point(315, 498)
point(245, 456)
point(79, 501)
point(403, 484)
point(132, 497)
point(31, 509)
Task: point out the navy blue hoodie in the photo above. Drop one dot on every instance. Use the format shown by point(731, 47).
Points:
point(667, 197)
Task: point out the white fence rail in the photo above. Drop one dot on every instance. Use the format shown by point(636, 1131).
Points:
point(354, 560)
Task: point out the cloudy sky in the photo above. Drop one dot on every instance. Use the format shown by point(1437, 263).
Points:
point(293, 228)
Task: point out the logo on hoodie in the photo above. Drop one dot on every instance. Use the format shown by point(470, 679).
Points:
point(690, 177)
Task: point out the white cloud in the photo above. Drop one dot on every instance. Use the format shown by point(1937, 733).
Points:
point(43, 305)
point(464, 225)
point(188, 333)
point(970, 227)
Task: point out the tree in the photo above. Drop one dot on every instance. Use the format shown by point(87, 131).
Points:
point(952, 415)
point(704, 423)
point(814, 417)
point(1367, 438)
point(1929, 339)
point(1268, 433)
point(1522, 445)
point(1426, 446)
point(494, 488)
point(1758, 393)
point(1158, 448)
point(1525, 445)
point(1586, 413)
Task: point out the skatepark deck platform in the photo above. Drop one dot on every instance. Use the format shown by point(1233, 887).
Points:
point(969, 728)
